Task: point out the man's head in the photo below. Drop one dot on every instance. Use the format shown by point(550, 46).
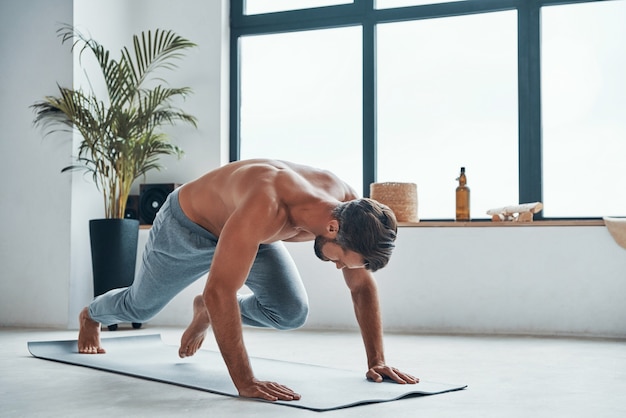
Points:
point(366, 227)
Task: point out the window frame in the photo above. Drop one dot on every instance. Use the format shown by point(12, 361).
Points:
point(363, 13)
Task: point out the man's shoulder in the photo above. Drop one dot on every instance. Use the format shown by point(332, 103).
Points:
point(285, 179)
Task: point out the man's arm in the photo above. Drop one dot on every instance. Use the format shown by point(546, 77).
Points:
point(235, 252)
point(367, 309)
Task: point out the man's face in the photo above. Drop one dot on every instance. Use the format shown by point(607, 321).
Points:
point(328, 250)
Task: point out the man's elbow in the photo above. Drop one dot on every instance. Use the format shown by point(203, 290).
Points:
point(214, 294)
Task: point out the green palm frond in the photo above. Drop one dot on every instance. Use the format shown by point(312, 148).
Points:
point(121, 135)
point(154, 51)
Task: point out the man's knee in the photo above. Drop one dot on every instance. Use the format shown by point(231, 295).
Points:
point(293, 316)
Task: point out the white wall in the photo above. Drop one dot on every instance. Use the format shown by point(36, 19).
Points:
point(45, 270)
point(507, 280)
point(35, 202)
point(202, 69)
point(522, 280)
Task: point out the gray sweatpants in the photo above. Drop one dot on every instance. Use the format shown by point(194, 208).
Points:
point(179, 252)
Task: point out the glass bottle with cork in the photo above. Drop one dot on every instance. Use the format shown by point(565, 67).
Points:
point(462, 198)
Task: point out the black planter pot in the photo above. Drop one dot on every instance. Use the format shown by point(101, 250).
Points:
point(113, 254)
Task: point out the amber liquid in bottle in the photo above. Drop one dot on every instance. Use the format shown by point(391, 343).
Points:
point(462, 198)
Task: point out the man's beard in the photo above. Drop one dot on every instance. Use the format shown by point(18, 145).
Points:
point(320, 241)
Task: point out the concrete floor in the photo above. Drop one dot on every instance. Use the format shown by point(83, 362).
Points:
point(507, 377)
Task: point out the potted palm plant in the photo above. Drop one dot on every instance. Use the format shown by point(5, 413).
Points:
point(121, 135)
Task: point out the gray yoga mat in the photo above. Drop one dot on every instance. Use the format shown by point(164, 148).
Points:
point(147, 357)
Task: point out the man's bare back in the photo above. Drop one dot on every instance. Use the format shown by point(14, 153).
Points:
point(211, 199)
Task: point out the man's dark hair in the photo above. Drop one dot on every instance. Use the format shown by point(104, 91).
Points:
point(369, 228)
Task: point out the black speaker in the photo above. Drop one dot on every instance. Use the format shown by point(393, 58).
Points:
point(132, 207)
point(151, 198)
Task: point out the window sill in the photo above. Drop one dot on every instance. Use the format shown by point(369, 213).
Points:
point(490, 224)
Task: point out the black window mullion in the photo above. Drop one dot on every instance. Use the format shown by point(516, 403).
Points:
point(234, 117)
point(369, 99)
point(529, 81)
point(292, 20)
point(430, 11)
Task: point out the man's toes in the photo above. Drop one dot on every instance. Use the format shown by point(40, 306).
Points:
point(93, 350)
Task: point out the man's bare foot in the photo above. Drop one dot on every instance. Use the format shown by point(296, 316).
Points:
point(193, 337)
point(89, 334)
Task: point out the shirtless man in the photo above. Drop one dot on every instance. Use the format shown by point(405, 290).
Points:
point(252, 206)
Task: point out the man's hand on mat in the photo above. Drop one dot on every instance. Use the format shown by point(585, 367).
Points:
point(269, 391)
point(380, 372)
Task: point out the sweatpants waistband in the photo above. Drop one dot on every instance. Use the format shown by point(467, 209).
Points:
point(183, 220)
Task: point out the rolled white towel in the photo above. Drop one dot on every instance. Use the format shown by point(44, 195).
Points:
point(617, 228)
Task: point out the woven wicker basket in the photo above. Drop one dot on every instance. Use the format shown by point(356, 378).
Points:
point(400, 197)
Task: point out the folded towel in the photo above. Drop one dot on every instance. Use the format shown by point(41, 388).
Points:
point(617, 228)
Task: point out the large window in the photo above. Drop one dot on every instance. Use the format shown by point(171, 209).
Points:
point(264, 6)
point(584, 109)
point(387, 4)
point(301, 99)
point(429, 126)
point(529, 96)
